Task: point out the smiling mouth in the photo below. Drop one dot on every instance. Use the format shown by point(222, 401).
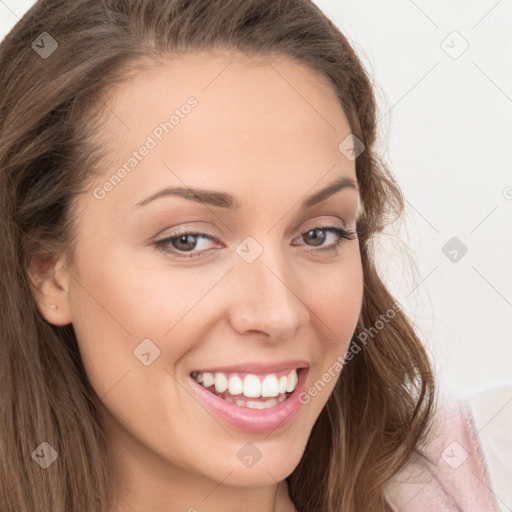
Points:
point(254, 391)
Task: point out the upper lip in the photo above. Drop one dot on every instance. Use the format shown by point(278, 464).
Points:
point(257, 367)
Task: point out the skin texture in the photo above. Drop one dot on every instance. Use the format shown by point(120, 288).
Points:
point(266, 132)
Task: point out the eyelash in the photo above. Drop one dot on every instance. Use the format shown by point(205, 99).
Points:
point(343, 234)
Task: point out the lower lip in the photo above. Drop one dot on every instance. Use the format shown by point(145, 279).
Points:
point(254, 420)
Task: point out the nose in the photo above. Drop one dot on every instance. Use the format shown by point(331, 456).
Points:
point(268, 299)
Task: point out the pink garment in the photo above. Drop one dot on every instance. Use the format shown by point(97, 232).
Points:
point(456, 479)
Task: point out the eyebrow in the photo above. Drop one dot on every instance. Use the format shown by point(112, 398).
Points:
point(225, 200)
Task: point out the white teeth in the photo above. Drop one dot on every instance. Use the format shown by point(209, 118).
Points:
point(251, 404)
point(236, 386)
point(262, 405)
point(270, 386)
point(283, 381)
point(221, 383)
point(252, 386)
point(208, 379)
point(292, 381)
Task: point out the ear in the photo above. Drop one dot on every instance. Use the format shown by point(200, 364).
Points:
point(50, 283)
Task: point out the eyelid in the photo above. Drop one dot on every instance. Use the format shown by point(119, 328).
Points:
point(211, 232)
point(319, 223)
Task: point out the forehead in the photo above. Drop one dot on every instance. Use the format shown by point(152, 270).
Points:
point(270, 120)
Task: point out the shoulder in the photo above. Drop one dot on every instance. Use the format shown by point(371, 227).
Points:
point(449, 472)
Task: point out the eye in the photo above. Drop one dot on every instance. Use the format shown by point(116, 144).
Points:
point(184, 241)
point(316, 233)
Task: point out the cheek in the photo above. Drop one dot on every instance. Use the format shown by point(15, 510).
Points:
point(123, 310)
point(337, 302)
point(121, 293)
point(119, 316)
point(337, 306)
point(117, 306)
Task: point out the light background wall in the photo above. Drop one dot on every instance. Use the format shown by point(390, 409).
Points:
point(446, 134)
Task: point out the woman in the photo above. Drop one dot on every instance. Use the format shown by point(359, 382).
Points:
point(192, 318)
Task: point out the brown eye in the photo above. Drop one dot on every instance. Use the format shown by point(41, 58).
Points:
point(184, 242)
point(317, 236)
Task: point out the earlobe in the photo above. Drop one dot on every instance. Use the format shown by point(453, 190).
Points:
point(50, 284)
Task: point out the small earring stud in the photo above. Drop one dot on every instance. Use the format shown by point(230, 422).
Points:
point(50, 306)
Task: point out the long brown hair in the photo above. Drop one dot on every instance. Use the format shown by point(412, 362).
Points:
point(50, 110)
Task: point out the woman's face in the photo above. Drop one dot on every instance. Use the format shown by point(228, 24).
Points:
point(258, 294)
